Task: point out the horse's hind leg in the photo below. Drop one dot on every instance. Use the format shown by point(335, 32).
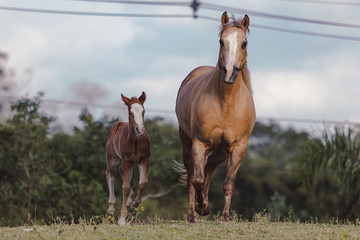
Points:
point(126, 170)
point(186, 152)
point(233, 164)
point(110, 179)
point(143, 170)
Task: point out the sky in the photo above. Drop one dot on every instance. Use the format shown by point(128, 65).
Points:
point(93, 59)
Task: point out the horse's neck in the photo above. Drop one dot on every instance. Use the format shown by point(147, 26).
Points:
point(131, 136)
point(225, 92)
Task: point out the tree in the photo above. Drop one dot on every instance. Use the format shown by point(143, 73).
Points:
point(26, 166)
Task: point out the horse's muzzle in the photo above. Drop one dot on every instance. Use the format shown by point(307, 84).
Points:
point(233, 76)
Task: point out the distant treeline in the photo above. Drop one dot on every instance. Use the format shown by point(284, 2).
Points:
point(46, 175)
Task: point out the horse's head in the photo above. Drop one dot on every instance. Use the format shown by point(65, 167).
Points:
point(136, 112)
point(233, 43)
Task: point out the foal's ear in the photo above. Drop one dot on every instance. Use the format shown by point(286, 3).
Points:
point(245, 22)
point(142, 98)
point(125, 99)
point(224, 19)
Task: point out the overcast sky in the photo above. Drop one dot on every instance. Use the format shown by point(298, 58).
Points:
point(93, 59)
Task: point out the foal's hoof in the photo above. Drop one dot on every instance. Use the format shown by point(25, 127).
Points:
point(204, 210)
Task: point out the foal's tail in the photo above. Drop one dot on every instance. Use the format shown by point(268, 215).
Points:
point(180, 169)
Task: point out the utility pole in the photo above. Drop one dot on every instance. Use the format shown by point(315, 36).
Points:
point(195, 5)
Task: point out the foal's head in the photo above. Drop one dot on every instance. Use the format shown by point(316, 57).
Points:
point(136, 112)
point(233, 43)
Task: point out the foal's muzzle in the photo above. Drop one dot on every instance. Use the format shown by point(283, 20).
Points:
point(233, 76)
point(139, 131)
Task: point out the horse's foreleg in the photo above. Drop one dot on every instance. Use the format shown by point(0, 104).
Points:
point(126, 174)
point(216, 158)
point(143, 170)
point(110, 179)
point(233, 164)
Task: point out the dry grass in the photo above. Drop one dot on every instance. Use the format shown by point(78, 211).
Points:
point(180, 230)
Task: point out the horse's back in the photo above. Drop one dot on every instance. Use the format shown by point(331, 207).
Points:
point(195, 73)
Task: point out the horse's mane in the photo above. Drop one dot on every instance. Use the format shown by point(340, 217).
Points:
point(246, 77)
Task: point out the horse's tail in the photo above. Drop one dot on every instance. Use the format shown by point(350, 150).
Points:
point(180, 169)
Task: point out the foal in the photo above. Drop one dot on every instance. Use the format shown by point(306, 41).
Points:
point(130, 143)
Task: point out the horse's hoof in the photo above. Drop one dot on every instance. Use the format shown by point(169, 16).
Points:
point(111, 211)
point(204, 211)
point(121, 222)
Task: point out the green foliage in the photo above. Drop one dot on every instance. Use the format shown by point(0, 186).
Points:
point(51, 177)
point(329, 166)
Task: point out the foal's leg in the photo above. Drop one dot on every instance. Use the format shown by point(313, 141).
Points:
point(216, 158)
point(110, 179)
point(126, 173)
point(143, 172)
point(186, 153)
point(237, 154)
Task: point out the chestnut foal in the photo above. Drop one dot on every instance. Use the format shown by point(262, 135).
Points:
point(128, 142)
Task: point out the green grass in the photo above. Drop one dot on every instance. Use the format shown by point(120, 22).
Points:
point(180, 230)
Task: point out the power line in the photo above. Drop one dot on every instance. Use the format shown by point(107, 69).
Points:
point(315, 34)
point(165, 111)
point(216, 7)
point(102, 14)
point(179, 3)
point(324, 2)
point(136, 15)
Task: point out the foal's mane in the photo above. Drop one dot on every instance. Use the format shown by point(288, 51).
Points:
point(135, 100)
point(237, 23)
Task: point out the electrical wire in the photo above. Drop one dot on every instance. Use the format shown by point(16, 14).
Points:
point(102, 14)
point(180, 3)
point(343, 3)
point(217, 7)
point(315, 34)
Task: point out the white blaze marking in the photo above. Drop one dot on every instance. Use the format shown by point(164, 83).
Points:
point(232, 40)
point(137, 110)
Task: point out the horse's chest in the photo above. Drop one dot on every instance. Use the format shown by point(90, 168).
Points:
point(133, 154)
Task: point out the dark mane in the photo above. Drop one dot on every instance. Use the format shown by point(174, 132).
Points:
point(233, 23)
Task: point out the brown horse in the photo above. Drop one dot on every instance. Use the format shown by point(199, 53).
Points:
point(130, 143)
point(216, 115)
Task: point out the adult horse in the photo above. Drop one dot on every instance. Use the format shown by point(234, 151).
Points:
point(216, 115)
point(129, 142)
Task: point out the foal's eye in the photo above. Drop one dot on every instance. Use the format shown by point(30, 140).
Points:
point(221, 43)
point(243, 46)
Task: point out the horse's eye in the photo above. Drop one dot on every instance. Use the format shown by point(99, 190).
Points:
point(221, 43)
point(243, 46)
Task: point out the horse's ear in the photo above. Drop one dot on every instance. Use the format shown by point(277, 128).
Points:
point(224, 19)
point(245, 22)
point(142, 98)
point(125, 99)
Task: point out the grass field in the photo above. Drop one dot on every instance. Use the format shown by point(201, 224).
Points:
point(180, 230)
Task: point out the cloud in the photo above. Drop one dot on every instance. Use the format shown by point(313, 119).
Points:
point(326, 87)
